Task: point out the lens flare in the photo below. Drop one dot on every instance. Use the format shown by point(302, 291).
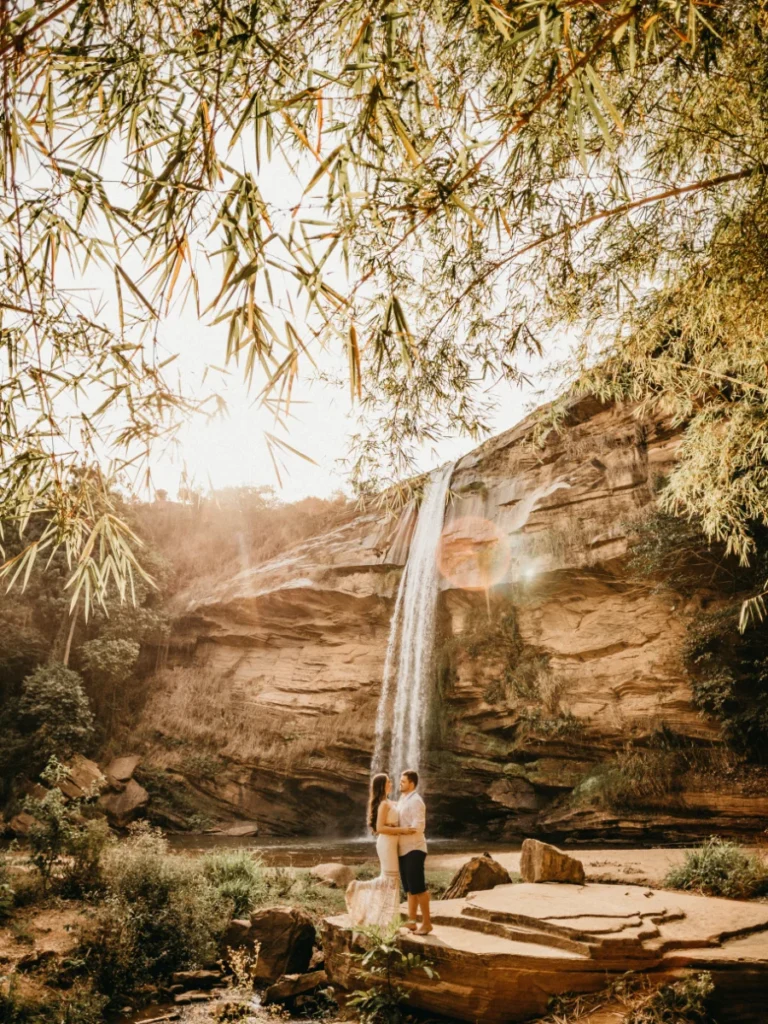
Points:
point(473, 554)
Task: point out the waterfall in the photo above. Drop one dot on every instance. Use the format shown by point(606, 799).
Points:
point(406, 687)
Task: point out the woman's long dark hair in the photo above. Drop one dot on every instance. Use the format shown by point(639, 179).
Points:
point(378, 793)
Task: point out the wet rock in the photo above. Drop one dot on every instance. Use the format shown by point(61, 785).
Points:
point(123, 808)
point(477, 874)
point(335, 876)
point(286, 938)
point(185, 998)
point(290, 986)
point(540, 862)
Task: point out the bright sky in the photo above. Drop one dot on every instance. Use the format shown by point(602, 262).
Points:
point(230, 450)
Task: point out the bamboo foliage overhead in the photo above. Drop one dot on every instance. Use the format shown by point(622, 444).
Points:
point(468, 174)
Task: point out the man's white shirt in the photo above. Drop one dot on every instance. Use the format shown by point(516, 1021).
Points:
point(413, 814)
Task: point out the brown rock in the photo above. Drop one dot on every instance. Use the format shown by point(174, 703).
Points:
point(245, 828)
point(185, 998)
point(199, 979)
point(291, 985)
point(122, 808)
point(84, 779)
point(540, 862)
point(501, 954)
point(286, 937)
point(237, 934)
point(121, 769)
point(335, 876)
point(479, 873)
point(21, 823)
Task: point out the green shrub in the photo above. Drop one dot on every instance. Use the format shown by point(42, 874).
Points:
point(237, 876)
point(54, 715)
point(161, 914)
point(382, 1001)
point(721, 868)
point(65, 846)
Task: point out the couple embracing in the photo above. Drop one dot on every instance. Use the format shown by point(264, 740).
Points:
point(402, 849)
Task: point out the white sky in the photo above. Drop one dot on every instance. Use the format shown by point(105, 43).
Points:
point(230, 450)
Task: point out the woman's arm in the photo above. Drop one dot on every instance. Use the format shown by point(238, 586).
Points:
point(389, 830)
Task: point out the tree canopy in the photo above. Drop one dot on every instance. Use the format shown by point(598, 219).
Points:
point(471, 177)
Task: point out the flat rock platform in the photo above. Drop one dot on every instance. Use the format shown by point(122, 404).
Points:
point(501, 954)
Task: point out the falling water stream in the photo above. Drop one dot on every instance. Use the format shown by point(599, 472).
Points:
point(406, 688)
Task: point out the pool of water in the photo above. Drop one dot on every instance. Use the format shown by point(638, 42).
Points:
point(306, 852)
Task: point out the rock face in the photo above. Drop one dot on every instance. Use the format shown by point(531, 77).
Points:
point(501, 954)
point(540, 862)
point(545, 671)
point(478, 873)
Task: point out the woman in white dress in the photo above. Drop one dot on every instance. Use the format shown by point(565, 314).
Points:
point(376, 903)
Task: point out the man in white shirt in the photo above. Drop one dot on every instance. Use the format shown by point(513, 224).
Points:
point(412, 851)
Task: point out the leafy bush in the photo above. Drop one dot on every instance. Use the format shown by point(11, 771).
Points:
point(383, 1001)
point(161, 914)
point(721, 868)
point(54, 715)
point(729, 671)
point(236, 876)
point(62, 842)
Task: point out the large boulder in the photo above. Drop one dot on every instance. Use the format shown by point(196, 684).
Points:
point(286, 938)
point(479, 873)
point(287, 988)
point(124, 807)
point(120, 770)
point(336, 876)
point(540, 862)
point(84, 779)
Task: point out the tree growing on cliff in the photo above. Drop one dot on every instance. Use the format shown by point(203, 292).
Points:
point(468, 177)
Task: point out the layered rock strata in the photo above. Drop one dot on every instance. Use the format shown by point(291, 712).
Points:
point(549, 661)
point(500, 955)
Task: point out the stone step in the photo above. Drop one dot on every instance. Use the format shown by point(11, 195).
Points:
point(632, 941)
point(533, 936)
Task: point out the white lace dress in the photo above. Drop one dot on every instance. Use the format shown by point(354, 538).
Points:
point(376, 903)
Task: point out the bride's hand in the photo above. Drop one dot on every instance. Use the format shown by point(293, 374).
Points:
point(410, 831)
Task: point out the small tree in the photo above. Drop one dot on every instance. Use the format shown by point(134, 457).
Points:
point(62, 842)
point(54, 714)
point(382, 1002)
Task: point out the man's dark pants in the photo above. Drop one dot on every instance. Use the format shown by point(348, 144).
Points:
point(412, 872)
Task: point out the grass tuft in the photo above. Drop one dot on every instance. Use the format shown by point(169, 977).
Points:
point(721, 868)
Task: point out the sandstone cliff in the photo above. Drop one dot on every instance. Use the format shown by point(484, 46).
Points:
point(549, 660)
